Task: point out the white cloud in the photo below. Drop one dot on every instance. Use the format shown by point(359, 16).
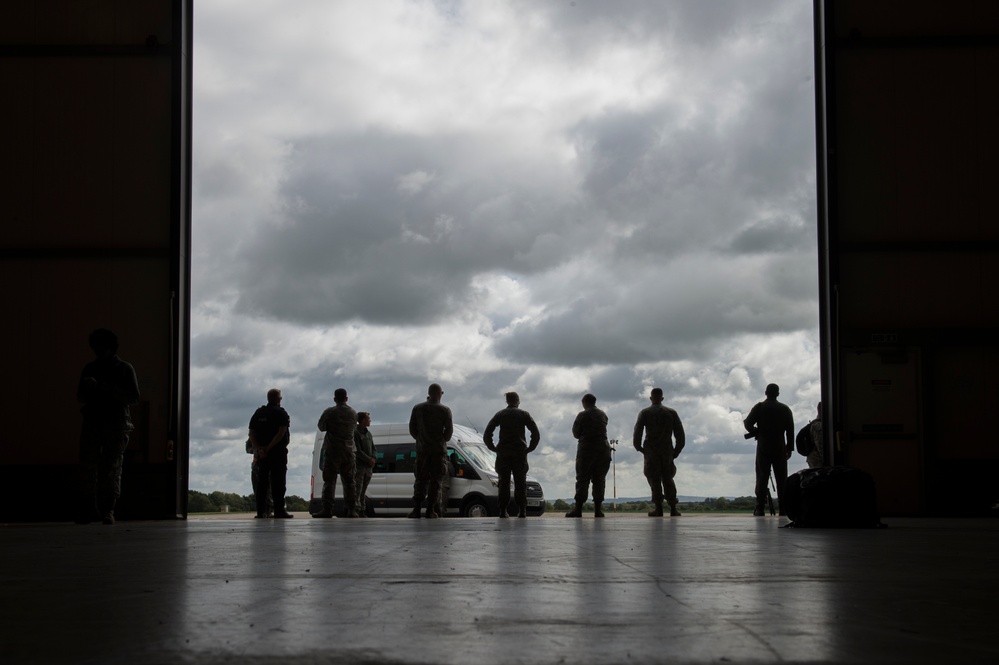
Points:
point(415, 182)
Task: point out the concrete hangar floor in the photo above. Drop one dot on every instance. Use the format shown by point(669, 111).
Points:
point(538, 590)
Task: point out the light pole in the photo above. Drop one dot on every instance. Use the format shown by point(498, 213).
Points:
point(613, 445)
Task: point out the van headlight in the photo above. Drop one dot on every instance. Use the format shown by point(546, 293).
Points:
point(494, 480)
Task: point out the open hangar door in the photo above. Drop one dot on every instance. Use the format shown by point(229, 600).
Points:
point(909, 247)
point(95, 184)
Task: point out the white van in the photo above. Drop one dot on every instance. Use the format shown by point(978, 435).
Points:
point(474, 484)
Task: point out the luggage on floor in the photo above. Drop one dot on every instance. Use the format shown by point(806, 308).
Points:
point(831, 497)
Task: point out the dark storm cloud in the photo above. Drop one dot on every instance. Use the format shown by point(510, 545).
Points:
point(692, 24)
point(223, 349)
point(616, 384)
point(390, 229)
point(682, 312)
point(776, 236)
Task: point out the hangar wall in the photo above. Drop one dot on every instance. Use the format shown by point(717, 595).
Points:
point(908, 133)
point(94, 179)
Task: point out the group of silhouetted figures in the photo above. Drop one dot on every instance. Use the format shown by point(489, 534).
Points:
point(108, 387)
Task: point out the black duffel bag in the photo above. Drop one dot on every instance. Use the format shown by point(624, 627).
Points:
point(837, 497)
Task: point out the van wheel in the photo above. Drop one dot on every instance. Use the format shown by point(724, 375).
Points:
point(475, 508)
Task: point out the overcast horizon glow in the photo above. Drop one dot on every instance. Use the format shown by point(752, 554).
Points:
point(549, 197)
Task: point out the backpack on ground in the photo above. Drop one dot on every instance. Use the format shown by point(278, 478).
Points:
point(803, 442)
point(831, 497)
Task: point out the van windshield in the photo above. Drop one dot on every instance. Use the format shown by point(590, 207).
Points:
point(479, 455)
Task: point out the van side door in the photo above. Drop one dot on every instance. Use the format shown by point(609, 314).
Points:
point(400, 473)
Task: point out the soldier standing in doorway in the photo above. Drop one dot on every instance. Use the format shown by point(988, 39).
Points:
point(593, 456)
point(661, 425)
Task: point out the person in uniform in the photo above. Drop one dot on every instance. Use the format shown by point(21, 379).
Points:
point(107, 389)
point(593, 456)
point(661, 426)
point(364, 460)
point(511, 451)
point(772, 424)
point(817, 457)
point(431, 426)
point(255, 478)
point(337, 455)
point(269, 437)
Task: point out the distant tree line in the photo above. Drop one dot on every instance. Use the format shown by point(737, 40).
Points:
point(199, 502)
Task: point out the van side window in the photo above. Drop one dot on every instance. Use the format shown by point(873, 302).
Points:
point(403, 458)
point(379, 460)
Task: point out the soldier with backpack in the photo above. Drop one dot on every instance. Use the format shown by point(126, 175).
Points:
point(808, 441)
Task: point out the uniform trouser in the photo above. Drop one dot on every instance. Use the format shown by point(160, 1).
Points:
point(430, 472)
point(659, 471)
point(272, 472)
point(512, 462)
point(254, 475)
point(361, 479)
point(770, 457)
point(592, 464)
point(445, 493)
point(102, 452)
point(338, 459)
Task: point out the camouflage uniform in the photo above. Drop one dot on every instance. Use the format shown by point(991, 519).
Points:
point(337, 455)
point(446, 485)
point(660, 424)
point(511, 453)
point(593, 454)
point(107, 388)
point(431, 427)
point(774, 427)
point(364, 452)
point(817, 457)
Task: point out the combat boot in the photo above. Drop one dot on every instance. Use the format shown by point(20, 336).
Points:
point(657, 511)
point(673, 512)
point(105, 507)
point(577, 511)
point(522, 513)
point(431, 514)
point(503, 513)
point(326, 512)
point(415, 512)
point(598, 509)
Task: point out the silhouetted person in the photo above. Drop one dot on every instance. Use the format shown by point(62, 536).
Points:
point(773, 426)
point(593, 456)
point(364, 460)
point(511, 451)
point(254, 479)
point(817, 457)
point(270, 434)
point(107, 389)
point(338, 455)
point(431, 426)
point(661, 424)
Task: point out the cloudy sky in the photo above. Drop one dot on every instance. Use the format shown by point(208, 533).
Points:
point(550, 197)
